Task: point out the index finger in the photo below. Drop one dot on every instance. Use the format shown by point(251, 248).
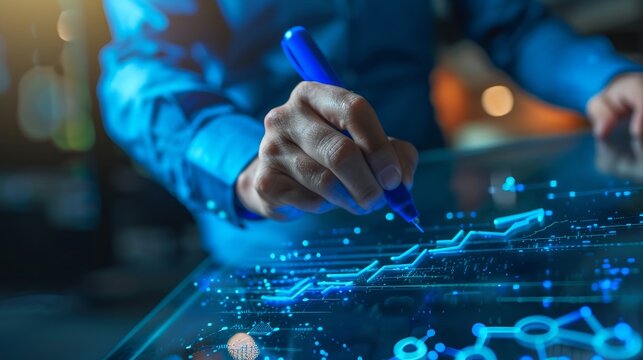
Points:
point(348, 111)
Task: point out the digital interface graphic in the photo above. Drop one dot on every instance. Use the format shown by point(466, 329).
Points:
point(545, 265)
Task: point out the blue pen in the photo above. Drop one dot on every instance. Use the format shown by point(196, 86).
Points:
point(305, 56)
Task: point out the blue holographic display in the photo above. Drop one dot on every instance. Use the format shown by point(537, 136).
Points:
point(517, 275)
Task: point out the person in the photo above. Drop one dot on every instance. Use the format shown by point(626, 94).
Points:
point(200, 93)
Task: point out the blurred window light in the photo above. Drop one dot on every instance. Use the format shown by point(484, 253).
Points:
point(69, 25)
point(41, 103)
point(497, 100)
point(5, 76)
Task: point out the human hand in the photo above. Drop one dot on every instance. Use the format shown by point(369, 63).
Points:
point(623, 97)
point(621, 160)
point(305, 164)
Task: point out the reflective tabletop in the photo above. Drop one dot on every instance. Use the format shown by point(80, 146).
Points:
point(531, 251)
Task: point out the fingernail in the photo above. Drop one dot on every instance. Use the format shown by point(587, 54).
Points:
point(390, 177)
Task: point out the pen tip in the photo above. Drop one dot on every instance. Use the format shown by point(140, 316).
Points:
point(416, 222)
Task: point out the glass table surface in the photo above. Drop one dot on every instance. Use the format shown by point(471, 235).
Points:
point(531, 251)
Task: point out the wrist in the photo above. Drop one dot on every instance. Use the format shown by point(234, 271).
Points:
point(242, 194)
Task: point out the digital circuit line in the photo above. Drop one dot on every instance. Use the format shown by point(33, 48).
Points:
point(353, 275)
point(405, 254)
point(538, 333)
point(516, 223)
point(513, 223)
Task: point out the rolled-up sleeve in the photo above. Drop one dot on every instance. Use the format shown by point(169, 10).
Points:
point(540, 51)
point(158, 107)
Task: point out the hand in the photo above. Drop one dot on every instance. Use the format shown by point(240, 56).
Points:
point(306, 165)
point(621, 98)
point(620, 160)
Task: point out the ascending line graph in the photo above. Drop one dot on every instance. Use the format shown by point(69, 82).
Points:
point(512, 225)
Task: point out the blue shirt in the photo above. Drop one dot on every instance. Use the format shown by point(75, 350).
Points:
point(186, 84)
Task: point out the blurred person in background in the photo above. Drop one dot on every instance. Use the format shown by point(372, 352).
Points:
point(200, 93)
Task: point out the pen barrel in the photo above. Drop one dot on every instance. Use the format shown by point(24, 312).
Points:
point(401, 201)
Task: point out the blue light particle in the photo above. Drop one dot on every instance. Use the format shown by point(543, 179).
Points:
point(473, 214)
point(305, 243)
point(605, 284)
point(549, 213)
point(510, 181)
point(622, 331)
point(475, 329)
point(459, 214)
point(585, 311)
point(320, 328)
point(516, 286)
point(449, 215)
point(551, 196)
point(440, 347)
point(572, 194)
point(389, 216)
point(625, 271)
point(357, 230)
point(346, 241)
point(627, 193)
point(432, 355)
point(553, 183)
point(547, 284)
point(520, 187)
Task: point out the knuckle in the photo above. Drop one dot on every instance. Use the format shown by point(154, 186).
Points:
point(338, 150)
point(355, 106)
point(270, 148)
point(275, 118)
point(263, 183)
point(324, 180)
point(301, 89)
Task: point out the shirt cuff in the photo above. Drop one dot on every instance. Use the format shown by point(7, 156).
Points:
point(214, 159)
point(589, 66)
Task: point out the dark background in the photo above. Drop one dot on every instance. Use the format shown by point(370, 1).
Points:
point(90, 243)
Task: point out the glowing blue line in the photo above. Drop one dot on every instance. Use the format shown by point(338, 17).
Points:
point(454, 240)
point(292, 289)
point(497, 332)
point(510, 219)
point(328, 290)
point(279, 298)
point(405, 254)
point(526, 220)
point(353, 275)
point(568, 318)
point(593, 323)
point(333, 285)
point(398, 266)
point(571, 337)
point(340, 283)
